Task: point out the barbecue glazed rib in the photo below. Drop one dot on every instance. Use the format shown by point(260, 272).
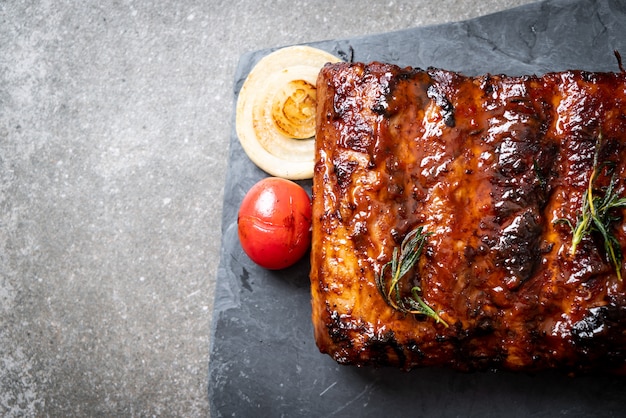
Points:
point(495, 170)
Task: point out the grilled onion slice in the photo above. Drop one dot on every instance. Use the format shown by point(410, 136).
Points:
point(275, 117)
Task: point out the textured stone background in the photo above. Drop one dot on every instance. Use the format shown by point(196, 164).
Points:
point(114, 124)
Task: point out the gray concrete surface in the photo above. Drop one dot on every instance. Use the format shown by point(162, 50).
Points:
point(114, 127)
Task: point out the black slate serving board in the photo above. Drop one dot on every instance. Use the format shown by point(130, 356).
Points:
point(264, 361)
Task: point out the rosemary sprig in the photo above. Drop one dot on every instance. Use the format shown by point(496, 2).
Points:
point(402, 261)
point(597, 214)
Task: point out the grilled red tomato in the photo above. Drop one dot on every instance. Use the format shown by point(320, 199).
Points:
point(274, 223)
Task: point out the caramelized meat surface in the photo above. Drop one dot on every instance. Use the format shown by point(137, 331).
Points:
point(495, 170)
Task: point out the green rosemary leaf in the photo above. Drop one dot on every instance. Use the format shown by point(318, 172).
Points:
point(421, 307)
point(597, 213)
point(402, 262)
